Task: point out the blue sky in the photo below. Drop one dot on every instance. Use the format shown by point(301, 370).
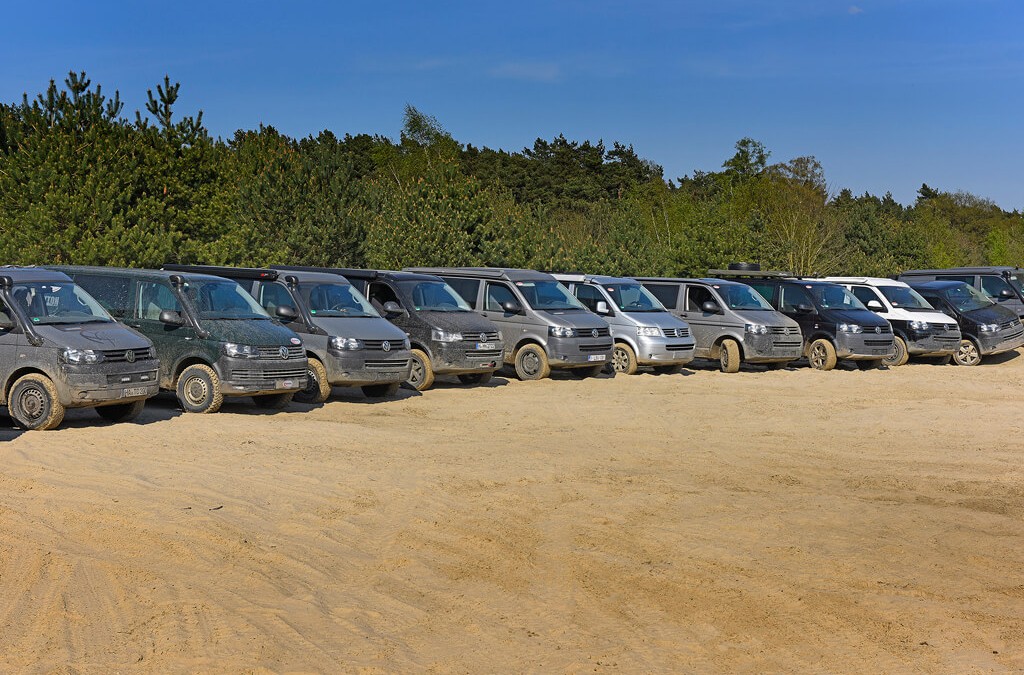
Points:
point(887, 94)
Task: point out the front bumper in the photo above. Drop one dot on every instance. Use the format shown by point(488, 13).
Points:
point(863, 346)
point(577, 352)
point(88, 385)
point(361, 367)
point(247, 377)
point(664, 351)
point(932, 343)
point(1001, 341)
point(772, 348)
point(464, 356)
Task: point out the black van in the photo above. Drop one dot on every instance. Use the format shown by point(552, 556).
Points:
point(986, 328)
point(446, 336)
point(1004, 284)
point(834, 323)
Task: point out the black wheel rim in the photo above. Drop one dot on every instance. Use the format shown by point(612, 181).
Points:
point(416, 375)
point(34, 403)
point(530, 363)
point(312, 384)
point(196, 391)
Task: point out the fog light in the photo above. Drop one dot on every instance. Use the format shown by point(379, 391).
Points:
point(126, 379)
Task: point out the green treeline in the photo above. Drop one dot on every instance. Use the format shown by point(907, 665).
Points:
point(82, 183)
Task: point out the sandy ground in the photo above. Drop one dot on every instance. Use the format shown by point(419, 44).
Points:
point(760, 522)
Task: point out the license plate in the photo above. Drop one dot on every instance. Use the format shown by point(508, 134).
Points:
point(485, 345)
point(133, 391)
point(285, 384)
point(595, 357)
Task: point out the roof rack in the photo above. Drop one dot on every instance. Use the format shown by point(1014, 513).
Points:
point(752, 274)
point(222, 271)
point(340, 271)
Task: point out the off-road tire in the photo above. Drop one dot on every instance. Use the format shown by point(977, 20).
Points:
point(34, 404)
point(870, 364)
point(532, 363)
point(673, 369)
point(475, 378)
point(729, 357)
point(421, 377)
point(274, 401)
point(318, 389)
point(969, 354)
point(198, 390)
point(624, 359)
point(822, 355)
point(121, 412)
point(899, 356)
point(385, 390)
point(587, 371)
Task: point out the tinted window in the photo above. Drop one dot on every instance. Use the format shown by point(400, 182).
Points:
point(273, 295)
point(155, 297)
point(435, 296)
point(497, 294)
point(588, 295)
point(111, 292)
point(379, 294)
point(993, 285)
point(792, 297)
point(697, 296)
point(966, 278)
point(766, 291)
point(58, 302)
point(467, 288)
point(336, 300)
point(904, 298)
point(222, 300)
point(866, 295)
point(667, 294)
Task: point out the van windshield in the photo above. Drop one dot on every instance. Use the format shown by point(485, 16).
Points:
point(743, 297)
point(436, 296)
point(336, 300)
point(902, 297)
point(548, 295)
point(833, 296)
point(965, 298)
point(48, 303)
point(632, 298)
point(216, 299)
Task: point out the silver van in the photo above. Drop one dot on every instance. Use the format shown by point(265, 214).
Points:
point(645, 333)
point(544, 325)
point(60, 349)
point(730, 321)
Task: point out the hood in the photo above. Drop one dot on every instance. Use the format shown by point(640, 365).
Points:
point(361, 327)
point(457, 322)
point(771, 319)
point(863, 317)
point(657, 319)
point(573, 318)
point(256, 332)
point(993, 314)
point(930, 316)
point(93, 336)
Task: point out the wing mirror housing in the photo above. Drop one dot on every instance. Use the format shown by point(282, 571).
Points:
point(1006, 293)
point(804, 308)
point(391, 308)
point(710, 307)
point(286, 312)
point(511, 307)
point(875, 306)
point(602, 308)
point(171, 318)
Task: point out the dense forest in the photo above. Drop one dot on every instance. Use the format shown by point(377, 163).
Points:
point(81, 182)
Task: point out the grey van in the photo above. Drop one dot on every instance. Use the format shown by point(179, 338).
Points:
point(731, 322)
point(213, 340)
point(60, 349)
point(645, 333)
point(1004, 284)
point(545, 326)
point(348, 344)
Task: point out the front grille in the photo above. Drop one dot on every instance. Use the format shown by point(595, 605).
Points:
point(392, 364)
point(1015, 334)
point(120, 355)
point(599, 347)
point(274, 353)
point(678, 347)
point(378, 345)
point(1009, 324)
point(783, 330)
point(788, 343)
point(676, 332)
point(484, 353)
point(942, 326)
point(253, 375)
point(878, 343)
point(482, 336)
point(125, 379)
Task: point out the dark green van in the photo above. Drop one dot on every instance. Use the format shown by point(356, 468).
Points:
point(213, 340)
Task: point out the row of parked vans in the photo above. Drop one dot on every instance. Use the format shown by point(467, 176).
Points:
point(110, 338)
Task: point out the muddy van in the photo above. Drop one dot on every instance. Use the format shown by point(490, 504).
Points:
point(1004, 284)
point(986, 328)
point(834, 323)
point(730, 322)
point(445, 335)
point(60, 349)
point(644, 332)
point(918, 328)
point(545, 325)
point(348, 344)
point(213, 340)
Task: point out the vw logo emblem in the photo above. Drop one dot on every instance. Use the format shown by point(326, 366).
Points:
point(878, 329)
point(483, 337)
point(386, 346)
point(129, 356)
point(284, 352)
point(594, 333)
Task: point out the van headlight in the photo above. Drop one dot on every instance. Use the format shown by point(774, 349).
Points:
point(241, 351)
point(850, 328)
point(561, 331)
point(917, 325)
point(988, 327)
point(345, 344)
point(444, 336)
point(648, 331)
point(756, 329)
point(78, 356)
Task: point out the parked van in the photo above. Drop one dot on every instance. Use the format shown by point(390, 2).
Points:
point(348, 344)
point(60, 349)
point(834, 323)
point(644, 332)
point(447, 337)
point(731, 323)
point(212, 338)
point(918, 328)
point(545, 325)
point(1004, 284)
point(986, 328)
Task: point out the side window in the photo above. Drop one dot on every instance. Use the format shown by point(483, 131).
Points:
point(766, 291)
point(588, 295)
point(667, 294)
point(467, 288)
point(111, 292)
point(497, 294)
point(994, 285)
point(792, 296)
point(697, 296)
point(378, 294)
point(155, 297)
point(966, 278)
point(7, 314)
point(273, 295)
point(865, 294)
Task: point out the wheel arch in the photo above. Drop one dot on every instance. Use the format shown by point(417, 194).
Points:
point(17, 375)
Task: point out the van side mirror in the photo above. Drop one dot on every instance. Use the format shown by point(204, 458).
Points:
point(875, 306)
point(806, 309)
point(1006, 293)
point(286, 312)
point(602, 308)
point(171, 318)
point(511, 307)
point(6, 322)
point(392, 307)
point(710, 307)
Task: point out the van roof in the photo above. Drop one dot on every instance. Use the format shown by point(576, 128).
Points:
point(998, 269)
point(680, 280)
point(937, 286)
point(363, 275)
point(870, 281)
point(130, 272)
point(259, 273)
point(592, 278)
point(506, 273)
point(19, 275)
